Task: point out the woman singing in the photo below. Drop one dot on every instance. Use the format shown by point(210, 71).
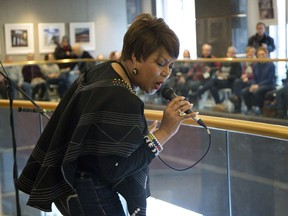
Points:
point(97, 143)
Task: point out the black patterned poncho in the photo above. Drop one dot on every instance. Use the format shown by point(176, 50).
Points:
point(99, 116)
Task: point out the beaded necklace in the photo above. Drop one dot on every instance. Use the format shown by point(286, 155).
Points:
point(122, 81)
point(125, 71)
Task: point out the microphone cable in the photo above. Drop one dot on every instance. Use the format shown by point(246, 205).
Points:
point(194, 164)
point(169, 94)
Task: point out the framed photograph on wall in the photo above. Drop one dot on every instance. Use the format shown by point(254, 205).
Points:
point(83, 33)
point(268, 11)
point(49, 35)
point(19, 38)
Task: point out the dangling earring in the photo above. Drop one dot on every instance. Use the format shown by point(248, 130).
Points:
point(134, 71)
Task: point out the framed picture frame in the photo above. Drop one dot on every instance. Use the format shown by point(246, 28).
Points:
point(268, 11)
point(19, 38)
point(49, 35)
point(216, 28)
point(83, 33)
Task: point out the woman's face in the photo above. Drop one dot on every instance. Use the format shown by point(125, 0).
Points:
point(250, 53)
point(230, 53)
point(51, 57)
point(261, 54)
point(154, 71)
point(65, 43)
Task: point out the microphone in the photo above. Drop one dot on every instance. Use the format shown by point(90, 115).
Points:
point(35, 110)
point(169, 94)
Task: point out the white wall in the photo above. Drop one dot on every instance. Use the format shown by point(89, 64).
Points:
point(147, 6)
point(109, 16)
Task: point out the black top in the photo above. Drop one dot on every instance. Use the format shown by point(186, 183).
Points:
point(61, 53)
point(256, 41)
point(98, 126)
point(31, 71)
point(234, 70)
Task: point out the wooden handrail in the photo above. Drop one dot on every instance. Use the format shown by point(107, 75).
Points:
point(178, 60)
point(263, 129)
point(27, 104)
point(39, 62)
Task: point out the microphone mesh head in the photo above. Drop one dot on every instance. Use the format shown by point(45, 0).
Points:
point(167, 93)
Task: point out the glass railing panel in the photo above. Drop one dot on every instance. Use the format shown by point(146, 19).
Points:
point(202, 189)
point(259, 175)
point(27, 131)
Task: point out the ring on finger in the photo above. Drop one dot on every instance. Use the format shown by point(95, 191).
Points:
point(181, 114)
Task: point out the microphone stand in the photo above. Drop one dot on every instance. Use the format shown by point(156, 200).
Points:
point(10, 85)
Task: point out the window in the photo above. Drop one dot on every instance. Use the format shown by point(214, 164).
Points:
point(180, 16)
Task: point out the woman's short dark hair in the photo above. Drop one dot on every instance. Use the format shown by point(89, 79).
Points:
point(147, 34)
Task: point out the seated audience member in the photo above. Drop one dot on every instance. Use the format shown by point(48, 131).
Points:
point(264, 81)
point(54, 76)
point(177, 81)
point(63, 50)
point(100, 58)
point(281, 100)
point(34, 83)
point(183, 66)
point(201, 72)
point(14, 74)
point(186, 54)
point(278, 99)
point(114, 55)
point(244, 81)
point(224, 78)
point(79, 53)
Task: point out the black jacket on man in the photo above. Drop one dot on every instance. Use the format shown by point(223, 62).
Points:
point(256, 41)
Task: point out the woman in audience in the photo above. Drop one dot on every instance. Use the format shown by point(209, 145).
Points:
point(63, 50)
point(264, 81)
